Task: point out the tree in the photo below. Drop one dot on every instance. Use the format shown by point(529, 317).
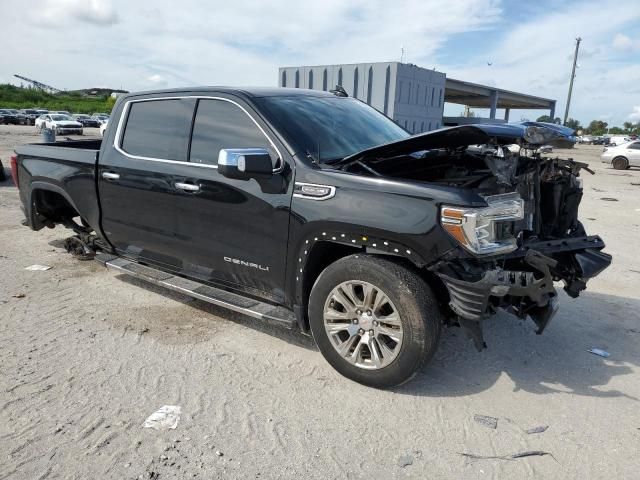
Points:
point(616, 131)
point(573, 124)
point(628, 126)
point(597, 127)
point(548, 119)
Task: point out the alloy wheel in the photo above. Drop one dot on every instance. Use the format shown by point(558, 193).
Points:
point(363, 324)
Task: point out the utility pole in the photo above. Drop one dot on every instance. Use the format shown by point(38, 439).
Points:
point(573, 75)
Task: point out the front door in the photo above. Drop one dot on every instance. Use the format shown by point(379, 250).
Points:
point(633, 154)
point(164, 202)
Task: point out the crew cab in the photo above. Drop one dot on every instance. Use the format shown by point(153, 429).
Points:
point(313, 210)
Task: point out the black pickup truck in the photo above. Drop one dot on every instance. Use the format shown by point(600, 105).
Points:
point(313, 210)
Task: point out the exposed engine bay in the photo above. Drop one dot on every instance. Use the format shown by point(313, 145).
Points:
point(512, 251)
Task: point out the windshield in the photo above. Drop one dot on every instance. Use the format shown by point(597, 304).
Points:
point(58, 118)
point(330, 128)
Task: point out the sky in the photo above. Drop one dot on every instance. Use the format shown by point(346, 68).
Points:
point(516, 45)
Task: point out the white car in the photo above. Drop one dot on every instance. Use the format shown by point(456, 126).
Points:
point(103, 127)
point(59, 123)
point(622, 156)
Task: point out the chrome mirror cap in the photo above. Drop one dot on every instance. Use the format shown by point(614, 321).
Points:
point(244, 163)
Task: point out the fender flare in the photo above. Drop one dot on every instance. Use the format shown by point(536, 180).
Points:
point(374, 245)
point(39, 185)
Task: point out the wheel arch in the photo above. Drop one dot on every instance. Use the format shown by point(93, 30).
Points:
point(317, 251)
point(44, 197)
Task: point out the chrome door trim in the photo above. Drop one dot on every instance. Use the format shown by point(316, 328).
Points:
point(117, 141)
point(110, 176)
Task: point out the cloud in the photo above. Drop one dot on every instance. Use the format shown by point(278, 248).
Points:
point(53, 13)
point(623, 42)
point(157, 80)
point(535, 55)
point(243, 42)
point(635, 114)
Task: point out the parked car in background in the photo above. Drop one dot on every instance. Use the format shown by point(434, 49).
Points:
point(617, 140)
point(21, 117)
point(59, 123)
point(100, 117)
point(622, 156)
point(87, 121)
point(61, 112)
point(7, 116)
point(103, 127)
point(30, 115)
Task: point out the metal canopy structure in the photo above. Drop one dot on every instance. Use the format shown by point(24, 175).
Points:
point(483, 96)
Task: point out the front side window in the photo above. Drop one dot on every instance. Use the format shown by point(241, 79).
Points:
point(220, 124)
point(159, 129)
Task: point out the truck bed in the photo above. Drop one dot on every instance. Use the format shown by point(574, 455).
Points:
point(56, 174)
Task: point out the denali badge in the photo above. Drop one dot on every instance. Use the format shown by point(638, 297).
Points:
point(246, 264)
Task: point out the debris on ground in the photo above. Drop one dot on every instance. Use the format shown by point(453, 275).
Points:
point(539, 429)
point(590, 218)
point(166, 418)
point(405, 461)
point(18, 295)
point(37, 268)
point(489, 422)
point(635, 184)
point(219, 453)
point(599, 352)
point(529, 453)
point(609, 199)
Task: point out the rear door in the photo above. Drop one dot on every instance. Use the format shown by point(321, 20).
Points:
point(164, 202)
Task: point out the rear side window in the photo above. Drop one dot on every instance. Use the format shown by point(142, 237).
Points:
point(220, 124)
point(635, 146)
point(159, 129)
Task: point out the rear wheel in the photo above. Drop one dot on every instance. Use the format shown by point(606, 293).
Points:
point(374, 321)
point(620, 163)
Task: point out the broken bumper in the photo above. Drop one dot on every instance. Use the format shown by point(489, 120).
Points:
point(528, 290)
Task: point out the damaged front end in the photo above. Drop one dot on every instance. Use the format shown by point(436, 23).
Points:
point(526, 237)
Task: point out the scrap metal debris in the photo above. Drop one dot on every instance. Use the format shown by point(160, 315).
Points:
point(166, 418)
point(609, 199)
point(539, 429)
point(19, 295)
point(489, 422)
point(529, 453)
point(37, 268)
point(599, 352)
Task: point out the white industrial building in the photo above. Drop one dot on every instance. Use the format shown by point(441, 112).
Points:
point(412, 96)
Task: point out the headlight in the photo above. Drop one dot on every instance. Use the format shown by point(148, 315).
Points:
point(487, 229)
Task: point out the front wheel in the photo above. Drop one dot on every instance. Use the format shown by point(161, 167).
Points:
point(373, 320)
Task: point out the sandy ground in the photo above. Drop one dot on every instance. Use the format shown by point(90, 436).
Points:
point(86, 356)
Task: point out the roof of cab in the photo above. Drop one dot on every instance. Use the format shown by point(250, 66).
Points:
point(254, 92)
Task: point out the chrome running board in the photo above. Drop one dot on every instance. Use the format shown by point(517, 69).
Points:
point(254, 308)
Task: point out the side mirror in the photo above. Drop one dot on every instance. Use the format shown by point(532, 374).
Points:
point(245, 163)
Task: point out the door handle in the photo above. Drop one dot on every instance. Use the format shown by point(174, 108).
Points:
point(187, 187)
point(110, 176)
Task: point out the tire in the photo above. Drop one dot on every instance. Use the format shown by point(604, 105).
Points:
point(620, 163)
point(376, 361)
